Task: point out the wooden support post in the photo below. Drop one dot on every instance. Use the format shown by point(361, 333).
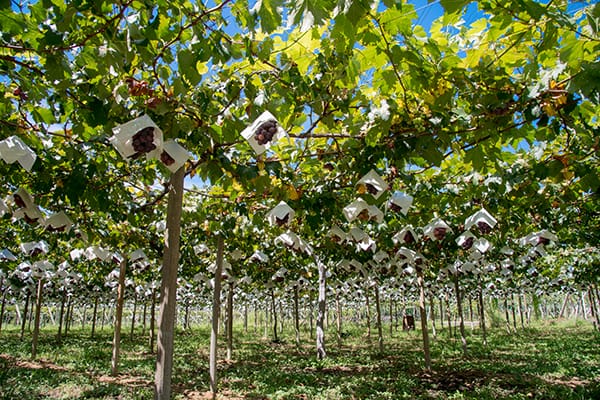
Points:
point(423, 311)
point(463, 337)
point(322, 304)
point(168, 297)
point(379, 326)
point(36, 326)
point(118, 319)
point(214, 335)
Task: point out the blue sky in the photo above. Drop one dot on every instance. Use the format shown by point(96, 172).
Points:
point(428, 11)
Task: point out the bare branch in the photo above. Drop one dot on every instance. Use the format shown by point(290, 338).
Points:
point(14, 60)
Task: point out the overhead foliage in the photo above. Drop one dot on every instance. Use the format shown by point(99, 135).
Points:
point(512, 95)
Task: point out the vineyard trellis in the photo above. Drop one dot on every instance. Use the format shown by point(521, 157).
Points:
point(339, 154)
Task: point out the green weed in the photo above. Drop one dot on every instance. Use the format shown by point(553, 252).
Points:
point(542, 362)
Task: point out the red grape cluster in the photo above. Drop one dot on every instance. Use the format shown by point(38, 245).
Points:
point(22, 95)
point(395, 207)
point(166, 158)
point(409, 238)
point(468, 243)
point(143, 141)
point(543, 241)
point(19, 201)
point(439, 233)
point(51, 228)
point(265, 132)
point(371, 189)
point(282, 221)
point(364, 215)
point(29, 220)
point(484, 227)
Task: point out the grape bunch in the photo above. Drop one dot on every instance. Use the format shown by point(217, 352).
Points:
point(371, 189)
point(19, 202)
point(439, 233)
point(484, 227)
point(51, 228)
point(282, 221)
point(543, 241)
point(395, 207)
point(35, 252)
point(22, 95)
point(143, 141)
point(25, 269)
point(265, 132)
point(166, 158)
point(468, 243)
point(29, 220)
point(409, 238)
point(364, 215)
point(336, 239)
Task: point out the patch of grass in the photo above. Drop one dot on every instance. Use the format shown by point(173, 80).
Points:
point(548, 361)
point(72, 369)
